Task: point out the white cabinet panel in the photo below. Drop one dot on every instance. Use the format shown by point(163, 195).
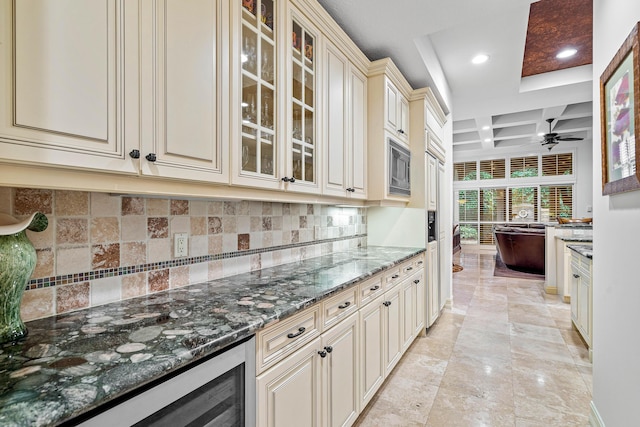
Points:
point(336, 139)
point(66, 105)
point(357, 159)
point(392, 328)
point(184, 107)
point(371, 349)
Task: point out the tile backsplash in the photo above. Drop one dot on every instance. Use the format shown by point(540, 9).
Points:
point(101, 248)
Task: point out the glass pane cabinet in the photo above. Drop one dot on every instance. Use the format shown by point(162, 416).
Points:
point(258, 58)
point(303, 81)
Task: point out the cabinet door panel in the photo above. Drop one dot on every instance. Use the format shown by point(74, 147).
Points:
point(63, 99)
point(335, 126)
point(340, 373)
point(393, 329)
point(358, 134)
point(185, 110)
point(371, 349)
point(392, 107)
point(289, 393)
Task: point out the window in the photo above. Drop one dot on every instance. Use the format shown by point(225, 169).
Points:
point(493, 204)
point(523, 203)
point(556, 201)
point(557, 164)
point(468, 205)
point(492, 169)
point(465, 171)
point(524, 166)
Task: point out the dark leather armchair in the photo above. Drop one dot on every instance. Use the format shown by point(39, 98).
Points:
point(521, 248)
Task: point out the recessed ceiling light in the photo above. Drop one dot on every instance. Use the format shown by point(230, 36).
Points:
point(485, 127)
point(566, 53)
point(487, 140)
point(540, 133)
point(479, 59)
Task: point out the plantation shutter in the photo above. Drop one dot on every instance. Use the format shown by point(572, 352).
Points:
point(556, 201)
point(523, 203)
point(557, 164)
point(524, 166)
point(468, 205)
point(492, 169)
point(464, 171)
point(493, 205)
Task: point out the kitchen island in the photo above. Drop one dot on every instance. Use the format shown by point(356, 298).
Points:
point(77, 363)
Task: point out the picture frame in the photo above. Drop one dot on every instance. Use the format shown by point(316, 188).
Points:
point(620, 118)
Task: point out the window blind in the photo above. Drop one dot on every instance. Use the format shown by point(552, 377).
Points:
point(523, 204)
point(557, 164)
point(492, 169)
point(493, 204)
point(468, 205)
point(556, 201)
point(464, 171)
point(524, 166)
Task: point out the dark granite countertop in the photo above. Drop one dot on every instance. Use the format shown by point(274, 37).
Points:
point(72, 363)
point(585, 250)
point(576, 238)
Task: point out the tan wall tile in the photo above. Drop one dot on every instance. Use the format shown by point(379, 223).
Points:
point(179, 276)
point(134, 285)
point(6, 200)
point(105, 230)
point(157, 207)
point(198, 225)
point(199, 272)
point(158, 227)
point(158, 280)
point(158, 250)
point(45, 263)
point(73, 260)
point(214, 225)
point(215, 208)
point(72, 231)
point(198, 208)
point(71, 203)
point(132, 206)
point(27, 201)
point(179, 224)
point(103, 204)
point(37, 303)
point(215, 270)
point(105, 256)
point(215, 244)
point(134, 228)
point(244, 242)
point(72, 297)
point(43, 239)
point(133, 253)
point(106, 290)
point(179, 207)
point(198, 246)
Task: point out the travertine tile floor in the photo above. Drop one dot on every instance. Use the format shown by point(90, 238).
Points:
point(506, 354)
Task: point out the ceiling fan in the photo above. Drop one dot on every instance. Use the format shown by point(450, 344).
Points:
point(552, 139)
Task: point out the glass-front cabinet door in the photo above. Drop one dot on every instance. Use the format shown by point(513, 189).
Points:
point(258, 151)
point(303, 149)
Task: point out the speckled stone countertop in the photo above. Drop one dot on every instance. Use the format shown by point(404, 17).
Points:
point(585, 250)
point(576, 238)
point(73, 363)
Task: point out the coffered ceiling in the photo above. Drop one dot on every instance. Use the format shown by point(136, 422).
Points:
point(505, 101)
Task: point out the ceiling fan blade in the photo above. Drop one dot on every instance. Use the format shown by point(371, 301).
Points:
point(569, 138)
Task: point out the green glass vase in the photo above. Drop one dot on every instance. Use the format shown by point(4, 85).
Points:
point(17, 262)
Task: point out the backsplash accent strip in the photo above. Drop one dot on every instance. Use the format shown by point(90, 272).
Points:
point(122, 271)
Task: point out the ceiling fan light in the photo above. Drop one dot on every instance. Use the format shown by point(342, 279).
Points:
point(480, 58)
point(566, 53)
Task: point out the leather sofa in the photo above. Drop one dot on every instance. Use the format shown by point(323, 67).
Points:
point(521, 246)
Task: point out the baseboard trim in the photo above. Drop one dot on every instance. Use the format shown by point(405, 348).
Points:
point(567, 299)
point(448, 304)
point(551, 290)
point(594, 417)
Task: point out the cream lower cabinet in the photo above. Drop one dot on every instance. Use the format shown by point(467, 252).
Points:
point(316, 385)
point(581, 297)
point(433, 299)
point(322, 366)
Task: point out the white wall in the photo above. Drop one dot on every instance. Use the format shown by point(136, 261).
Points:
point(616, 234)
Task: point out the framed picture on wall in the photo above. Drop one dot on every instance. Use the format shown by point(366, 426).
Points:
point(620, 118)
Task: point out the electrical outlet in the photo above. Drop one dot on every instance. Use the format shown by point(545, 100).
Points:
point(180, 245)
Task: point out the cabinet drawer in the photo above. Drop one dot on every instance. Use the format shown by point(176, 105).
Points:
point(370, 289)
point(339, 306)
point(391, 278)
point(277, 341)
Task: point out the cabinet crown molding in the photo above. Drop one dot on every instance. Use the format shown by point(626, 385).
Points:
point(386, 66)
point(432, 103)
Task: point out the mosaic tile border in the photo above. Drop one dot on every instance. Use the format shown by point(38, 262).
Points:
point(67, 279)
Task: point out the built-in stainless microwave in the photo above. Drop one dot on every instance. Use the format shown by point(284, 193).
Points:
point(399, 169)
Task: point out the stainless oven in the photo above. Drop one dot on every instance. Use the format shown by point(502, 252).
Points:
point(399, 169)
point(219, 391)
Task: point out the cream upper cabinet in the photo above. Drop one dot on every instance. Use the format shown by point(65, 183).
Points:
point(396, 112)
point(182, 90)
point(69, 83)
point(387, 108)
point(432, 183)
point(344, 126)
point(302, 133)
point(257, 156)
